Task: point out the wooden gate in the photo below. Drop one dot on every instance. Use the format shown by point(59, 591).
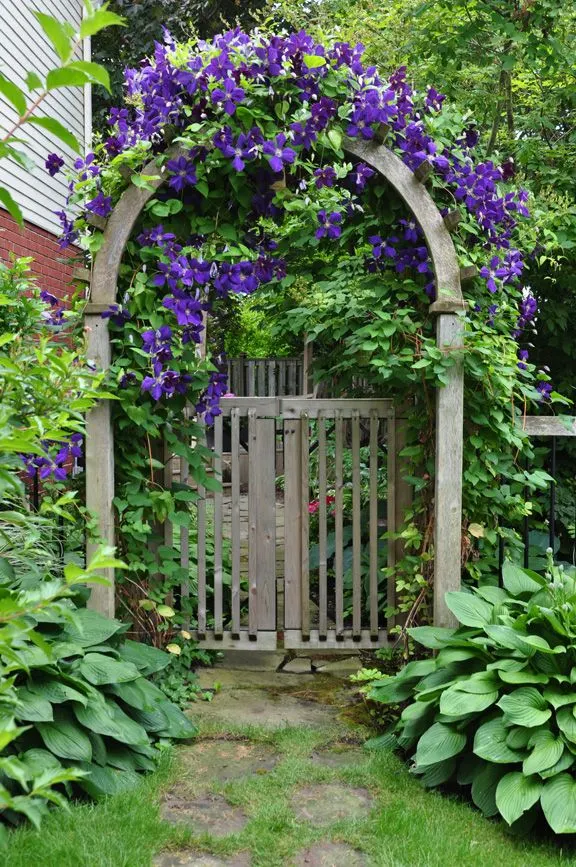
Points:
point(292, 551)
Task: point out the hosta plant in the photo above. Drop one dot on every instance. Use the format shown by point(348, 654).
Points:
point(77, 710)
point(495, 708)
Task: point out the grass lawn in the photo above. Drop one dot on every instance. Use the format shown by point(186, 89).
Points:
point(408, 828)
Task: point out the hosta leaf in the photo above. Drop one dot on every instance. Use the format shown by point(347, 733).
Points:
point(505, 636)
point(440, 742)
point(130, 731)
point(32, 708)
point(518, 737)
point(567, 723)
point(546, 751)
point(56, 692)
point(107, 781)
point(558, 697)
point(449, 655)
point(66, 739)
point(127, 760)
point(100, 669)
point(179, 726)
point(468, 768)
point(434, 637)
point(558, 801)
point(484, 787)
point(495, 595)
point(435, 775)
point(90, 628)
point(516, 581)
point(152, 721)
point(490, 743)
point(524, 676)
point(455, 702)
point(418, 668)
point(99, 751)
point(565, 761)
point(97, 717)
point(38, 761)
point(515, 794)
point(469, 609)
point(525, 707)
point(392, 690)
point(147, 659)
point(139, 693)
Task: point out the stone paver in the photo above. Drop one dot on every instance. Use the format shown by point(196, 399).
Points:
point(330, 855)
point(210, 814)
point(261, 708)
point(226, 759)
point(339, 756)
point(324, 804)
point(199, 859)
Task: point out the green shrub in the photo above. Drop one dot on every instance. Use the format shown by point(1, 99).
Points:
point(495, 709)
point(76, 707)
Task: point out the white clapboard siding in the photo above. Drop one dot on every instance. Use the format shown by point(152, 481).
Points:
point(24, 48)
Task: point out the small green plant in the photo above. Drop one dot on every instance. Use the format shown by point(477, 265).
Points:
point(178, 680)
point(495, 709)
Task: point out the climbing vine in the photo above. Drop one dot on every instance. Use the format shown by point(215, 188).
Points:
point(260, 195)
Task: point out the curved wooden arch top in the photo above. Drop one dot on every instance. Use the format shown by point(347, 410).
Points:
point(123, 218)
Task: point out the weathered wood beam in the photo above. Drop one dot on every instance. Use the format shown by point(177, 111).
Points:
point(423, 171)
point(548, 426)
point(448, 478)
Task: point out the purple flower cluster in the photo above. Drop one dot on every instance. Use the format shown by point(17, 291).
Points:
point(206, 92)
point(209, 403)
point(53, 465)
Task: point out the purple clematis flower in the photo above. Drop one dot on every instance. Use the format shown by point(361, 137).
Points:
point(492, 273)
point(228, 96)
point(183, 173)
point(279, 155)
point(329, 224)
point(53, 164)
point(325, 177)
point(101, 205)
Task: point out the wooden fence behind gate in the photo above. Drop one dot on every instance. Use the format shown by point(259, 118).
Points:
point(330, 513)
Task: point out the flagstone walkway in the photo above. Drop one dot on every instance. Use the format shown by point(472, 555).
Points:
point(226, 773)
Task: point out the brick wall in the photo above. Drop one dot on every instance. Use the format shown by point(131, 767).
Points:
point(52, 273)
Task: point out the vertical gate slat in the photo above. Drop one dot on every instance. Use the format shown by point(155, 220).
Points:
point(323, 530)
point(265, 495)
point(251, 379)
point(356, 528)
point(261, 363)
point(218, 528)
point(185, 535)
point(272, 390)
point(339, 542)
point(292, 523)
point(374, 424)
point(392, 446)
point(235, 519)
point(201, 551)
point(291, 377)
point(305, 524)
point(252, 529)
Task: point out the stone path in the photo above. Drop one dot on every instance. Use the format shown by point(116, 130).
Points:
point(261, 696)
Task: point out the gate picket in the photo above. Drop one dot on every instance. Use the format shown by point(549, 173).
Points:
point(356, 527)
point(323, 530)
point(235, 519)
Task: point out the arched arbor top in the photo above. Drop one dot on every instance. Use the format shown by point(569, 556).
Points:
point(407, 184)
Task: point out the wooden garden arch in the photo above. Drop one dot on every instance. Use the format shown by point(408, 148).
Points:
point(449, 333)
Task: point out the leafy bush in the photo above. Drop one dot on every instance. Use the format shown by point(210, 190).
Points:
point(495, 709)
point(76, 705)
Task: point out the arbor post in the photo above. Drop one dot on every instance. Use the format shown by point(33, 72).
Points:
point(100, 461)
point(448, 475)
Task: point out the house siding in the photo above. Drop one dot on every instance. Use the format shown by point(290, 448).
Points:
point(23, 47)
